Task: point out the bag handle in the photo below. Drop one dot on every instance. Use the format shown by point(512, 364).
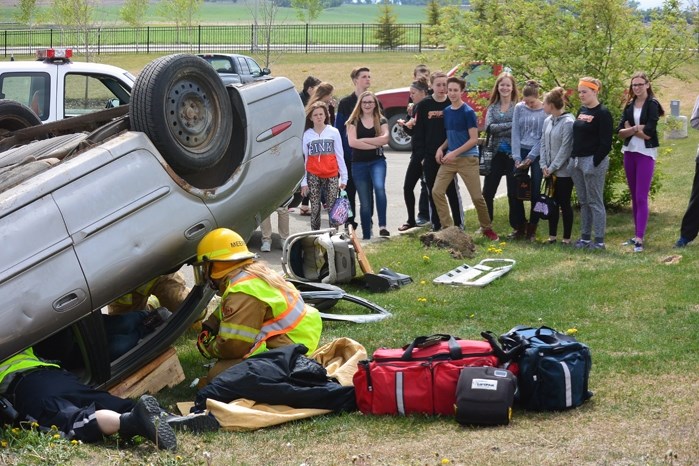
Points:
point(426, 341)
point(500, 353)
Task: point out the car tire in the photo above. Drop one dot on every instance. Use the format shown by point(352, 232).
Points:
point(14, 116)
point(398, 139)
point(189, 141)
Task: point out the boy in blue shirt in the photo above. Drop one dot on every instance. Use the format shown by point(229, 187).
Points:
point(459, 154)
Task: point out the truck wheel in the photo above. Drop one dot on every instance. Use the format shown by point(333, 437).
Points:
point(181, 104)
point(14, 116)
point(397, 138)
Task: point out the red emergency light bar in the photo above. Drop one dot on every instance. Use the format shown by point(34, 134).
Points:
point(52, 54)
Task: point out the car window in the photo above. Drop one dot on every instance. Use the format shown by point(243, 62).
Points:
point(243, 66)
point(221, 65)
point(255, 69)
point(31, 89)
point(90, 93)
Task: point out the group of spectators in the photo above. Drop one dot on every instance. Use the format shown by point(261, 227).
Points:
point(529, 133)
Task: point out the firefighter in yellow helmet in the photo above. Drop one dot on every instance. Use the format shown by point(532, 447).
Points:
point(259, 310)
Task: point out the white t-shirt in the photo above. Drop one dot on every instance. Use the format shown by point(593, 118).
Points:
point(638, 144)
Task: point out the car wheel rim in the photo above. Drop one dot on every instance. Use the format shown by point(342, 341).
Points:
point(399, 136)
point(190, 114)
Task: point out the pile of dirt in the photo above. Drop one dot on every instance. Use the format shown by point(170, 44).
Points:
point(456, 240)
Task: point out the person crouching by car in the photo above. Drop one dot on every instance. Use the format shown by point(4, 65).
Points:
point(259, 310)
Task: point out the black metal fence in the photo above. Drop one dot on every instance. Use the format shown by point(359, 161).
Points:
point(301, 38)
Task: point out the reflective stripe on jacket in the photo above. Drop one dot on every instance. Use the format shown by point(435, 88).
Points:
point(291, 316)
point(19, 362)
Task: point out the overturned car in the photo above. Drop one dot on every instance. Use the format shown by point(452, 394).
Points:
point(87, 216)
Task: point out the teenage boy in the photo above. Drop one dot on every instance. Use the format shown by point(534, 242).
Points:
point(361, 78)
point(423, 212)
point(428, 135)
point(459, 154)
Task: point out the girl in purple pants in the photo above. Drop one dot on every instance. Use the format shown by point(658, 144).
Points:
point(638, 130)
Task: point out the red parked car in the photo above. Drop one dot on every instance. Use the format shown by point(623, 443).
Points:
point(395, 101)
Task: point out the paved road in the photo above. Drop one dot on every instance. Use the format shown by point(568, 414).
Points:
point(396, 213)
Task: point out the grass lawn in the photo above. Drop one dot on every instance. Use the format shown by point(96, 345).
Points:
point(639, 313)
point(242, 13)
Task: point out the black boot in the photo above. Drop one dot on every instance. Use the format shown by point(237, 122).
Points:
point(519, 232)
point(531, 232)
point(146, 420)
point(197, 423)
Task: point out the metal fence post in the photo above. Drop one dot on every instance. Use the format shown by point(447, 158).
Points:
point(199, 49)
point(419, 41)
point(306, 37)
point(51, 38)
point(148, 39)
point(99, 40)
point(362, 37)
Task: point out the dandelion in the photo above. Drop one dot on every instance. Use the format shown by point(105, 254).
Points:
point(74, 442)
point(423, 282)
point(4, 443)
point(445, 461)
point(426, 259)
point(15, 430)
point(503, 243)
point(421, 300)
point(472, 316)
point(56, 436)
point(178, 458)
point(571, 331)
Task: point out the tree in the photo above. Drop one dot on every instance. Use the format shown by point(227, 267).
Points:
point(26, 12)
point(182, 13)
point(133, 13)
point(264, 15)
point(77, 14)
point(389, 34)
point(307, 10)
point(433, 19)
point(558, 42)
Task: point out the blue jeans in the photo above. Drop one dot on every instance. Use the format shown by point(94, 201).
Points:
point(124, 331)
point(370, 180)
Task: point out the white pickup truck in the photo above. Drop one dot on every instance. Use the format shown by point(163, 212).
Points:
point(55, 87)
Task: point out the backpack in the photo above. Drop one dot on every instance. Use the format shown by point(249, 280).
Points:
point(553, 368)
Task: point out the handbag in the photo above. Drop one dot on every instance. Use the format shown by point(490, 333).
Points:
point(340, 211)
point(524, 184)
point(546, 204)
point(420, 377)
point(486, 152)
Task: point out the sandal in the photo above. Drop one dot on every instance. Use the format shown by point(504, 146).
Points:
point(406, 226)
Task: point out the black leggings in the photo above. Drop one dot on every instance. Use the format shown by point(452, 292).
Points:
point(503, 165)
point(413, 174)
point(562, 193)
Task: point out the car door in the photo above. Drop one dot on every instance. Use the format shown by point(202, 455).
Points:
point(130, 221)
point(42, 287)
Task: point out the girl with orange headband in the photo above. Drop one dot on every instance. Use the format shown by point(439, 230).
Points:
point(592, 141)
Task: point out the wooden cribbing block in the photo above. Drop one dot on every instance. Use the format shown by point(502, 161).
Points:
point(163, 371)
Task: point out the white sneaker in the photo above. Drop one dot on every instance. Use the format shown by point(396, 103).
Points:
point(266, 246)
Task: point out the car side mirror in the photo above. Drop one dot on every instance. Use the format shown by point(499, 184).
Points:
point(265, 71)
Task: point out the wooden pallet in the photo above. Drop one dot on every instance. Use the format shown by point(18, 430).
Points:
point(163, 371)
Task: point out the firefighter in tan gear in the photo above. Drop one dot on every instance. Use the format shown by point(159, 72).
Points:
point(170, 290)
point(258, 310)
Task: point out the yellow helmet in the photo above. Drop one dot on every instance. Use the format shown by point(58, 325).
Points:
point(223, 245)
